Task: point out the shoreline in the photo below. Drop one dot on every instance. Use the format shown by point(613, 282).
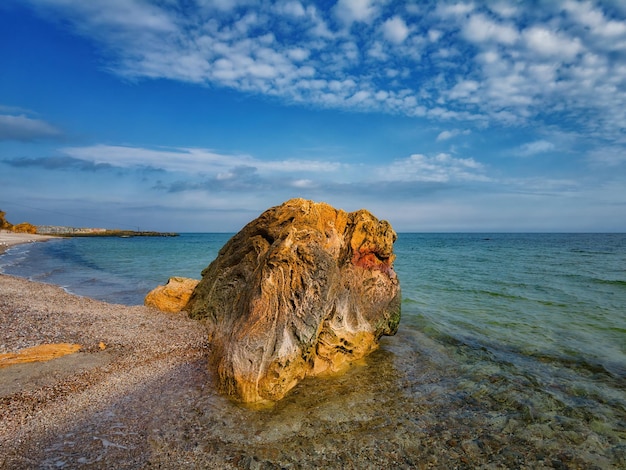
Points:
point(148, 399)
point(124, 350)
point(10, 239)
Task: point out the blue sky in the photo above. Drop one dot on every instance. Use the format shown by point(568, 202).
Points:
point(197, 115)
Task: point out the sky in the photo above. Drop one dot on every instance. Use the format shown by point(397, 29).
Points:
point(197, 115)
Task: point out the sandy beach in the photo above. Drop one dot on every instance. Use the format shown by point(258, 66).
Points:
point(9, 239)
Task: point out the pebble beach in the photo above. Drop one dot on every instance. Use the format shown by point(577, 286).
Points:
point(124, 351)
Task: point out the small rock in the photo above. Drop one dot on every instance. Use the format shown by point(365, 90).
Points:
point(173, 296)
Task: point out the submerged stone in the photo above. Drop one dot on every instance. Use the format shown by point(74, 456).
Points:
point(302, 290)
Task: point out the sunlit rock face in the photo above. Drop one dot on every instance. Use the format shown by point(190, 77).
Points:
point(173, 296)
point(41, 353)
point(302, 290)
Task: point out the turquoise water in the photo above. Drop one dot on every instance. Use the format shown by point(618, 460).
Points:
point(117, 270)
point(520, 335)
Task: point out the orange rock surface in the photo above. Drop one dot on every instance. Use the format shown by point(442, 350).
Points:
point(43, 352)
point(304, 289)
point(173, 296)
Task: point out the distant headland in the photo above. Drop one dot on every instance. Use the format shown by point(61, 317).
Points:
point(63, 231)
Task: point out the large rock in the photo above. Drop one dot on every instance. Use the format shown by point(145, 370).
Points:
point(173, 296)
point(302, 290)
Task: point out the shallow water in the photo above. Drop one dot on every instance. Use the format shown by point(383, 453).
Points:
point(511, 353)
point(411, 404)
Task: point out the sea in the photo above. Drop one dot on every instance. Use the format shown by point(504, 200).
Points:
point(511, 351)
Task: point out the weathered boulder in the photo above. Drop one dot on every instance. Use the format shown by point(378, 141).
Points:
point(173, 296)
point(302, 290)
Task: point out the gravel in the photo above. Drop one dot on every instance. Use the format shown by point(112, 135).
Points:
point(124, 349)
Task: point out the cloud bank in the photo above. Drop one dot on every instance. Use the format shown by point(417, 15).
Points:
point(495, 114)
point(483, 62)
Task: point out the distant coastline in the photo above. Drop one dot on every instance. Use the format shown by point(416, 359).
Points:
point(65, 231)
point(62, 231)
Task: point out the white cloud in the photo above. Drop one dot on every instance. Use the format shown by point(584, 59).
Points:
point(535, 148)
point(223, 5)
point(350, 11)
point(552, 44)
point(504, 9)
point(449, 134)
point(611, 156)
point(434, 35)
point(95, 15)
point(192, 160)
point(298, 54)
point(464, 89)
point(395, 30)
point(177, 160)
point(445, 135)
point(494, 63)
point(299, 165)
point(293, 8)
point(377, 51)
point(456, 9)
point(480, 28)
point(441, 168)
point(195, 165)
point(23, 128)
point(587, 15)
point(303, 184)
